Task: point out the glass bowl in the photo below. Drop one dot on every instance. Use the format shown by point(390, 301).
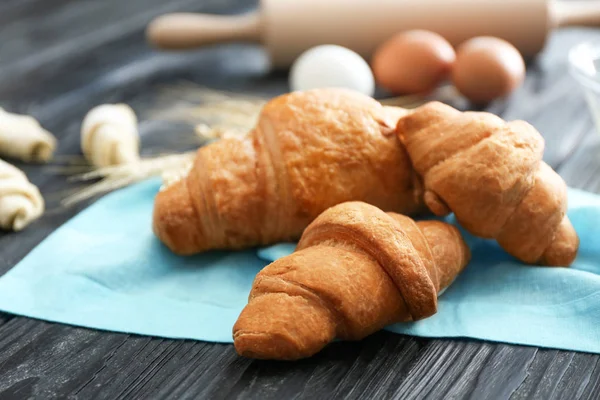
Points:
point(584, 66)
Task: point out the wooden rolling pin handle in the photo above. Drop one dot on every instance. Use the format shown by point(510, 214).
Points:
point(576, 13)
point(187, 31)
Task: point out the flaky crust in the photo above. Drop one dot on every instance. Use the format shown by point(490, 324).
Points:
point(356, 270)
point(309, 151)
point(490, 174)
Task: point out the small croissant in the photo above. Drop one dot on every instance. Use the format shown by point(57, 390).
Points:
point(309, 151)
point(22, 137)
point(109, 135)
point(356, 269)
point(20, 200)
point(490, 174)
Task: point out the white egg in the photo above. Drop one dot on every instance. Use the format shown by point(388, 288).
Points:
point(331, 66)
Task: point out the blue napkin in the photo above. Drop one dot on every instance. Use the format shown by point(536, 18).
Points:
point(104, 269)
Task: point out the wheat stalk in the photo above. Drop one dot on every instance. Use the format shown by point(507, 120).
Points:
point(119, 176)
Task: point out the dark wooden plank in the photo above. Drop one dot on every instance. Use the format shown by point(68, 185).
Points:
point(12, 10)
point(107, 35)
point(85, 24)
point(558, 374)
point(4, 318)
point(503, 372)
point(45, 360)
point(139, 367)
point(462, 369)
point(439, 367)
point(368, 369)
point(88, 363)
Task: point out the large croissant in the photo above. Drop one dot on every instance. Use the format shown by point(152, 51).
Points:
point(356, 270)
point(309, 151)
point(490, 173)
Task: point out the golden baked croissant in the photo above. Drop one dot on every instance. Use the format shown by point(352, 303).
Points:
point(490, 173)
point(356, 269)
point(309, 151)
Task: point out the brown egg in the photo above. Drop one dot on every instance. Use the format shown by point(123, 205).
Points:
point(487, 68)
point(413, 62)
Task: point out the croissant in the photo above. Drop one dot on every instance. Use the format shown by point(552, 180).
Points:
point(22, 137)
point(309, 151)
point(109, 135)
point(356, 269)
point(20, 200)
point(490, 174)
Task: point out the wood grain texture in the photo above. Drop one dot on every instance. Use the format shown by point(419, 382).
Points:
point(58, 58)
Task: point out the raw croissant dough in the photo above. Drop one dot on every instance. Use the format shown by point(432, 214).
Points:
point(20, 200)
point(22, 137)
point(109, 135)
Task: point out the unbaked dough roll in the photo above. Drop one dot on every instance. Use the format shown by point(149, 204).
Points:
point(22, 137)
point(20, 200)
point(109, 135)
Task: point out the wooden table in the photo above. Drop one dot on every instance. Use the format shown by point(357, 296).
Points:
point(58, 58)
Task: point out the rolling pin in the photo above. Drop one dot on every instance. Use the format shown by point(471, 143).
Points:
point(288, 27)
